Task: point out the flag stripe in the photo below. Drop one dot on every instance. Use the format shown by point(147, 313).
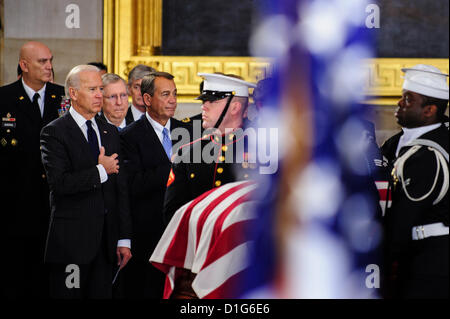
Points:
point(206, 236)
point(204, 244)
point(217, 273)
point(216, 205)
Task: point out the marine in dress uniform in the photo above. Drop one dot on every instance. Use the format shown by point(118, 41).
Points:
point(216, 158)
point(417, 222)
point(221, 156)
point(24, 190)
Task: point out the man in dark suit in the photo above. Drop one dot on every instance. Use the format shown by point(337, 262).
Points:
point(90, 225)
point(137, 106)
point(115, 101)
point(25, 107)
point(146, 146)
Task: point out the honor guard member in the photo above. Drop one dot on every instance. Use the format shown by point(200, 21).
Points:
point(417, 222)
point(220, 156)
point(26, 106)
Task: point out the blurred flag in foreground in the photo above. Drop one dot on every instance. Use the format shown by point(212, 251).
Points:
point(318, 231)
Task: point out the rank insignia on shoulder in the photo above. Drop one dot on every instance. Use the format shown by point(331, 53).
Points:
point(186, 120)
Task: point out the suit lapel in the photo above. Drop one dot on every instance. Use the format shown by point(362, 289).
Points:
point(129, 117)
point(104, 135)
point(173, 125)
point(77, 137)
point(150, 134)
point(101, 116)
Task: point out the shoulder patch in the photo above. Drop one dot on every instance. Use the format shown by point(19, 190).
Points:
point(171, 178)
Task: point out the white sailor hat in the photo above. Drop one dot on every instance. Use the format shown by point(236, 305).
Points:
point(426, 80)
point(219, 86)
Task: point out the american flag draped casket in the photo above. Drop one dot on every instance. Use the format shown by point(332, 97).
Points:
point(206, 237)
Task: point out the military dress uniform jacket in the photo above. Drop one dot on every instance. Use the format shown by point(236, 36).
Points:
point(24, 194)
point(422, 264)
point(205, 164)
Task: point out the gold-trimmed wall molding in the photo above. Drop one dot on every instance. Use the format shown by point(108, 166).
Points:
point(148, 27)
point(133, 34)
point(384, 78)
point(185, 69)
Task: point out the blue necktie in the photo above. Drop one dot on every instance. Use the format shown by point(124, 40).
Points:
point(167, 143)
point(92, 140)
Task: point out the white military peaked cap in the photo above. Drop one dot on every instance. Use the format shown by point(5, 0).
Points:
point(426, 80)
point(222, 83)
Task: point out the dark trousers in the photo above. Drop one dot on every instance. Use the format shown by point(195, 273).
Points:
point(22, 270)
point(423, 273)
point(141, 280)
point(95, 278)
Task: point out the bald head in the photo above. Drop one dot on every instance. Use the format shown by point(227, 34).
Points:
point(35, 60)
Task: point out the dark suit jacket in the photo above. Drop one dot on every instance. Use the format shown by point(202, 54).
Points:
point(82, 208)
point(147, 168)
point(128, 120)
point(129, 117)
point(24, 193)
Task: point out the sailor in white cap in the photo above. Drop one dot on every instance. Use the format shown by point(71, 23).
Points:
point(417, 222)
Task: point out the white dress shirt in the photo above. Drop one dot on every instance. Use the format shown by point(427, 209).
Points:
point(30, 92)
point(158, 127)
point(81, 122)
point(410, 134)
point(121, 126)
point(136, 113)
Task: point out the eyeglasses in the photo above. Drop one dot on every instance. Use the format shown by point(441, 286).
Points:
point(113, 98)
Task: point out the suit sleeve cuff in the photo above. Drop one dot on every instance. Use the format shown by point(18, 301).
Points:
point(102, 172)
point(124, 243)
